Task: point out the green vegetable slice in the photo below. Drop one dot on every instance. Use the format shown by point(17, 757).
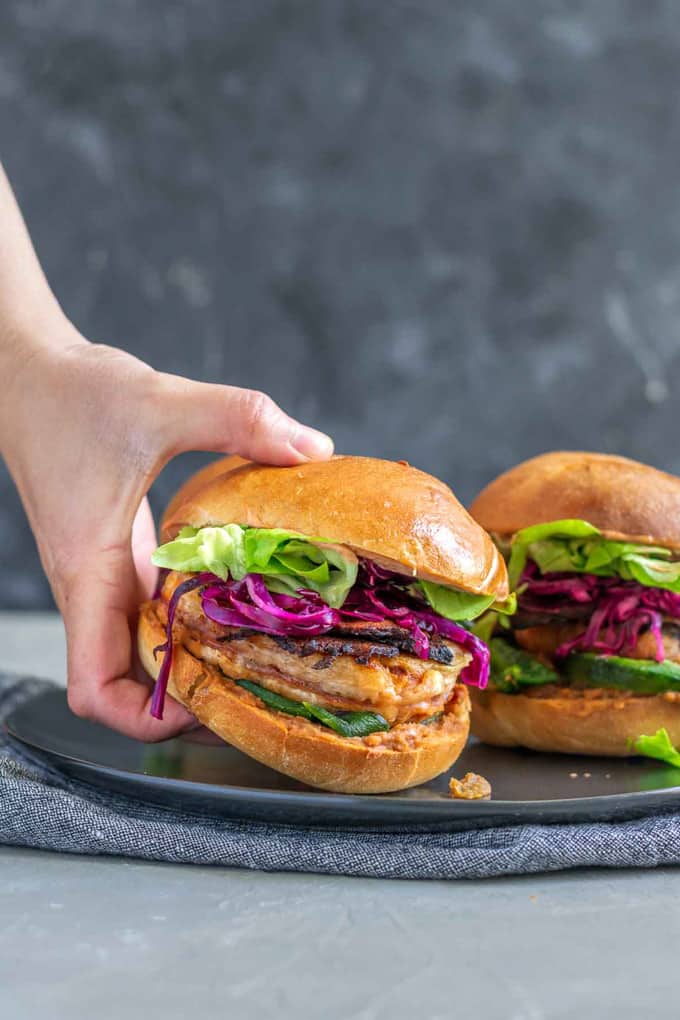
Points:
point(286, 560)
point(575, 545)
point(347, 724)
point(273, 700)
point(641, 676)
point(512, 668)
point(431, 719)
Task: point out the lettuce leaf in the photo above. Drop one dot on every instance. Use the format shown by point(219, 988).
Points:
point(575, 545)
point(658, 746)
point(220, 550)
point(286, 560)
point(484, 626)
point(461, 605)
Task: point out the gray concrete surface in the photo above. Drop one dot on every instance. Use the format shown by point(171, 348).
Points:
point(89, 937)
point(84, 937)
point(33, 644)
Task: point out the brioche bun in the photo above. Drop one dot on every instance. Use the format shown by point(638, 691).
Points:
point(407, 755)
point(386, 511)
point(621, 497)
point(573, 723)
point(198, 481)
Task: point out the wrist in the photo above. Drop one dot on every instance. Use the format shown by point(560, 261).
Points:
point(26, 352)
point(32, 332)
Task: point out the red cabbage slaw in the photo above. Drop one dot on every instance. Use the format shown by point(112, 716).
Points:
point(618, 610)
point(378, 595)
point(161, 685)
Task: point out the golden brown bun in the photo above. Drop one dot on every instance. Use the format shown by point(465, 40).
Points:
point(573, 724)
point(302, 749)
point(621, 497)
point(197, 481)
point(389, 512)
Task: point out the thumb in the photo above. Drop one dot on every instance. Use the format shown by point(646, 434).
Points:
point(226, 419)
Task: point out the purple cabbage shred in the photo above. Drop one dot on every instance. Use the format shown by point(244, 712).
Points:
point(161, 685)
point(619, 610)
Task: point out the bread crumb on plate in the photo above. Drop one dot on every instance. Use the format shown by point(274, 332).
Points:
point(470, 787)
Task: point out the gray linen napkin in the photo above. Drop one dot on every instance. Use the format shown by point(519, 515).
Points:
point(40, 808)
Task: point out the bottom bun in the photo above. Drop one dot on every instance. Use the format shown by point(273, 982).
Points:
point(407, 755)
point(591, 722)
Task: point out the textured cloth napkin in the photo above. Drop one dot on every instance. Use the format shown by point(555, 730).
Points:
point(40, 808)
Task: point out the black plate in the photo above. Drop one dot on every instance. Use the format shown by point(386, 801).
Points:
point(221, 781)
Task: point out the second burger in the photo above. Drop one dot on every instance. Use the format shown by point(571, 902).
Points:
point(590, 662)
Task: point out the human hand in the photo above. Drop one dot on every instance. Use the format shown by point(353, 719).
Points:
point(85, 429)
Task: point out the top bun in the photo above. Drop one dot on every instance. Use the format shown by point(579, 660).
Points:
point(621, 497)
point(386, 511)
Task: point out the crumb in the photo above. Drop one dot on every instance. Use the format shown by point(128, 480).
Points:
point(573, 775)
point(607, 775)
point(470, 787)
point(533, 898)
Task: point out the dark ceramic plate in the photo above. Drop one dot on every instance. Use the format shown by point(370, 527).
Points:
point(527, 787)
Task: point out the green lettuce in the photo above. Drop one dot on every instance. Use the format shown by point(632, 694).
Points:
point(574, 545)
point(286, 560)
point(658, 746)
point(220, 550)
point(484, 627)
point(461, 605)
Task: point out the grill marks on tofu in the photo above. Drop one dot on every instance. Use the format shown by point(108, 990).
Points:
point(355, 668)
point(391, 634)
point(331, 647)
point(361, 640)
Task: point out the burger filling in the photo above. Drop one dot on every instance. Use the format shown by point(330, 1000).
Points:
point(594, 618)
point(311, 630)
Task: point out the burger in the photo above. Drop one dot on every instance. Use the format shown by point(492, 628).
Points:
point(315, 617)
point(590, 661)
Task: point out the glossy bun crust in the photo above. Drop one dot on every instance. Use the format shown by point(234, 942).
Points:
point(407, 755)
point(593, 723)
point(621, 497)
point(386, 511)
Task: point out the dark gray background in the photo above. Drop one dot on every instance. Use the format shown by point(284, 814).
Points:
point(446, 232)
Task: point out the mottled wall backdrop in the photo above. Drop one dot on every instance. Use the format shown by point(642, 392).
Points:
point(448, 232)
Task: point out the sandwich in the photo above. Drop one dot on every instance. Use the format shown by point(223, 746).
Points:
point(590, 661)
point(315, 617)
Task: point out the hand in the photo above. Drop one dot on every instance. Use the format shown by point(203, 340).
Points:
point(85, 429)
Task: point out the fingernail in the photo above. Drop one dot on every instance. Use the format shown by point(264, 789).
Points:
point(312, 444)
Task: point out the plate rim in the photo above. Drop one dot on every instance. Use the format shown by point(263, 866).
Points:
point(410, 808)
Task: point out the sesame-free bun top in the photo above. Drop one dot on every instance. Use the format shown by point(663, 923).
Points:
point(386, 511)
point(621, 497)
